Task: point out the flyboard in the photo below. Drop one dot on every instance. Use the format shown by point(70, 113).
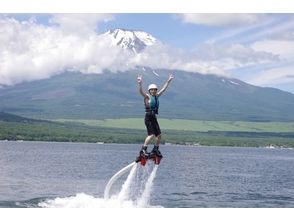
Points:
point(140, 159)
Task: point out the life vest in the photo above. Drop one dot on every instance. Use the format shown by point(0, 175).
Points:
point(153, 104)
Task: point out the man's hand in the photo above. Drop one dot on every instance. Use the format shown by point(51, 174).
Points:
point(139, 79)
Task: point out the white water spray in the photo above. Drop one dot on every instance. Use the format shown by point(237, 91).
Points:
point(144, 199)
point(115, 177)
point(137, 187)
point(124, 193)
point(135, 191)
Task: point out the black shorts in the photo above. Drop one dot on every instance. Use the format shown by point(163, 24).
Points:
point(152, 124)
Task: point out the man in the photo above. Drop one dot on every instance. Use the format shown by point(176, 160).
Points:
point(151, 108)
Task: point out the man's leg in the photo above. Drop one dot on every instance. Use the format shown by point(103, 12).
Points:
point(158, 138)
point(148, 139)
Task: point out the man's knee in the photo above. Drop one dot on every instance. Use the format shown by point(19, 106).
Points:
point(158, 136)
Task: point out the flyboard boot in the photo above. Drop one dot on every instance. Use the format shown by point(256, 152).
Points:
point(155, 155)
point(143, 156)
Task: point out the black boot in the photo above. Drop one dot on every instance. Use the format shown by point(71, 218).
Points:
point(143, 152)
point(155, 152)
point(143, 156)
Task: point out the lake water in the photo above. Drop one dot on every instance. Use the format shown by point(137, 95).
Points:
point(41, 174)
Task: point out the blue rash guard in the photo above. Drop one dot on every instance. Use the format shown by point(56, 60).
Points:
point(153, 104)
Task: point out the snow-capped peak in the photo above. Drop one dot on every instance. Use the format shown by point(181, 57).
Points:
point(133, 40)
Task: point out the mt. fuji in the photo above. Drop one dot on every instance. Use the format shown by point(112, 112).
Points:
point(135, 41)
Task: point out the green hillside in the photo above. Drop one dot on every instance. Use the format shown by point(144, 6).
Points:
point(190, 125)
point(191, 96)
point(15, 128)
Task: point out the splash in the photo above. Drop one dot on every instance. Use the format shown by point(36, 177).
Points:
point(83, 200)
point(145, 197)
point(135, 192)
point(115, 177)
point(124, 193)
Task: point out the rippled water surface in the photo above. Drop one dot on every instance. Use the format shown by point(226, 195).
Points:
point(41, 174)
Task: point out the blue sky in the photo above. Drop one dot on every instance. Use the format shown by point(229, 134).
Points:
point(256, 48)
point(168, 28)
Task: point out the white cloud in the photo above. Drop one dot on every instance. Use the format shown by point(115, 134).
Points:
point(79, 23)
point(29, 51)
point(222, 19)
point(283, 48)
point(269, 40)
point(207, 59)
point(274, 29)
point(240, 54)
point(163, 56)
point(275, 76)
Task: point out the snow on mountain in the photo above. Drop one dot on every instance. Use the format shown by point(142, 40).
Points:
point(232, 81)
point(133, 40)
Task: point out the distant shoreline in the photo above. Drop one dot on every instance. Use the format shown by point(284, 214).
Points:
point(164, 144)
point(132, 131)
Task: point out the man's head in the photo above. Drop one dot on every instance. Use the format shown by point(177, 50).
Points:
point(152, 88)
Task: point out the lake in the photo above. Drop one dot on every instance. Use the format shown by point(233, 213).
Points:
point(46, 174)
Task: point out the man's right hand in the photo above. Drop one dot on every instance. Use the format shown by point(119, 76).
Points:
point(139, 79)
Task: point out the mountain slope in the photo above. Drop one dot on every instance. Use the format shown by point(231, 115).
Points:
point(115, 95)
